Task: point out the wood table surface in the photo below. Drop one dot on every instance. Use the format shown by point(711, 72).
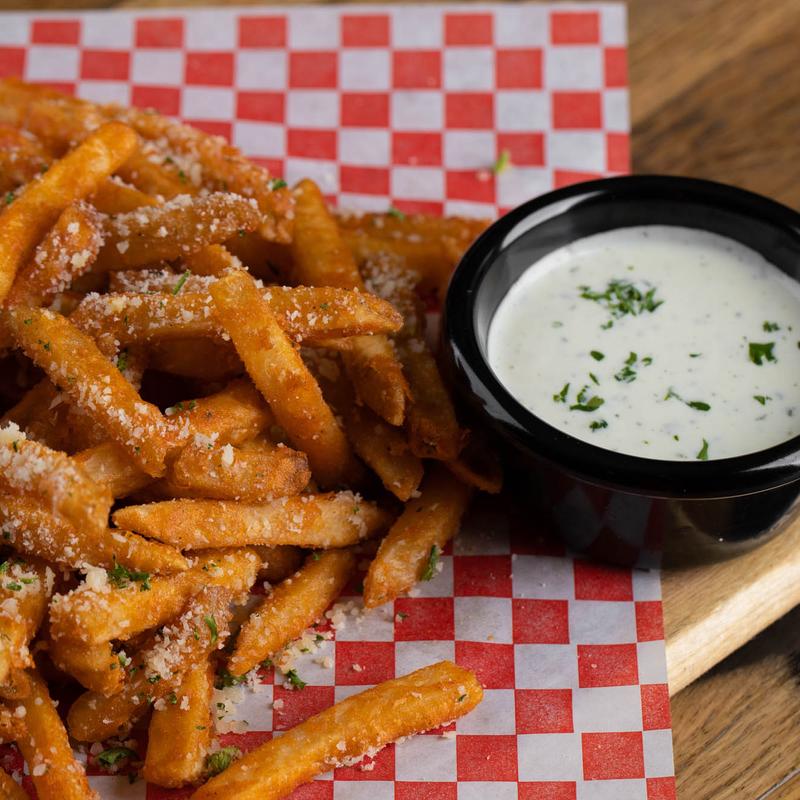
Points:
point(715, 93)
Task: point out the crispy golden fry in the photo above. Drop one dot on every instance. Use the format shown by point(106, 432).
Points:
point(25, 221)
point(362, 723)
point(180, 734)
point(16, 686)
point(432, 425)
point(479, 465)
point(212, 260)
point(201, 628)
point(320, 257)
point(25, 588)
point(22, 158)
point(307, 314)
point(411, 548)
point(336, 519)
point(280, 375)
point(95, 666)
point(233, 415)
point(114, 196)
point(46, 748)
point(292, 607)
point(278, 563)
point(41, 415)
point(12, 727)
point(232, 568)
point(228, 473)
point(153, 172)
point(99, 611)
point(31, 530)
point(175, 229)
point(430, 246)
point(73, 362)
point(219, 166)
point(10, 789)
point(67, 251)
point(204, 359)
point(56, 480)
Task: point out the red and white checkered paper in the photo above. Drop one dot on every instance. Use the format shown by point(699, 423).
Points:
point(410, 106)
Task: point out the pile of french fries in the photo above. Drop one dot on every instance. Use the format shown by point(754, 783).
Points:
point(206, 374)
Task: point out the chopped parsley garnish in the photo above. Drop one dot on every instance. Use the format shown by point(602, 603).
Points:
point(172, 698)
point(697, 405)
point(598, 424)
point(462, 698)
point(759, 353)
point(277, 183)
point(110, 757)
point(703, 454)
point(9, 198)
point(695, 355)
point(561, 397)
point(182, 176)
point(761, 398)
point(211, 624)
point(221, 760)
point(4, 567)
point(124, 660)
point(597, 355)
point(44, 344)
point(502, 163)
point(120, 576)
point(586, 404)
point(295, 679)
point(621, 297)
point(122, 361)
point(179, 285)
point(556, 324)
point(225, 679)
point(395, 212)
point(315, 555)
point(628, 374)
point(769, 327)
point(154, 679)
point(594, 378)
point(14, 587)
point(430, 566)
point(401, 615)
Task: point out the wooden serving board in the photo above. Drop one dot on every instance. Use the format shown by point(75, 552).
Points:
point(712, 610)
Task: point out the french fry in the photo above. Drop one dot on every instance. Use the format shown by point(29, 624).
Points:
point(343, 733)
point(59, 482)
point(31, 530)
point(110, 465)
point(47, 751)
point(95, 666)
point(478, 465)
point(152, 171)
point(99, 611)
point(212, 260)
point(278, 562)
point(280, 375)
point(40, 413)
point(232, 568)
point(67, 252)
point(293, 606)
point(10, 789)
point(336, 519)
point(114, 196)
point(16, 686)
point(25, 221)
point(412, 546)
point(203, 359)
point(22, 158)
point(25, 588)
point(201, 628)
point(12, 726)
point(176, 228)
point(73, 362)
point(228, 473)
point(219, 166)
point(320, 257)
point(180, 733)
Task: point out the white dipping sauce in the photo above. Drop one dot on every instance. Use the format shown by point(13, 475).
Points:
point(647, 341)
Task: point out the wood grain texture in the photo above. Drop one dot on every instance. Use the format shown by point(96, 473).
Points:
point(715, 92)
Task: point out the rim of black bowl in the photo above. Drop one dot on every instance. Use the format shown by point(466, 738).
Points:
point(739, 475)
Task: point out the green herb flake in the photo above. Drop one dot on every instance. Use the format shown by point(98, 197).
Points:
point(761, 398)
point(502, 163)
point(122, 361)
point(703, 454)
point(112, 756)
point(430, 566)
point(462, 698)
point(179, 285)
point(172, 698)
point(211, 623)
point(295, 679)
point(154, 679)
point(221, 760)
point(120, 577)
point(277, 183)
point(9, 198)
point(697, 405)
point(695, 355)
point(594, 378)
point(761, 352)
point(592, 404)
point(14, 587)
point(621, 298)
point(182, 176)
point(561, 397)
point(769, 327)
point(597, 355)
point(598, 424)
point(395, 212)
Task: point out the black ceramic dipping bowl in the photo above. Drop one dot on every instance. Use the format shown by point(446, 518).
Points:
point(621, 508)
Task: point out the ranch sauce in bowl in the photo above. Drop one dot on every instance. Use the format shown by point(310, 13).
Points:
point(655, 341)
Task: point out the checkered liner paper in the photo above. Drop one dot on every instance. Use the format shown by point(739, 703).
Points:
point(410, 106)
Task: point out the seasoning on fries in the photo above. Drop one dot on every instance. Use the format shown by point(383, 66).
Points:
point(185, 426)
